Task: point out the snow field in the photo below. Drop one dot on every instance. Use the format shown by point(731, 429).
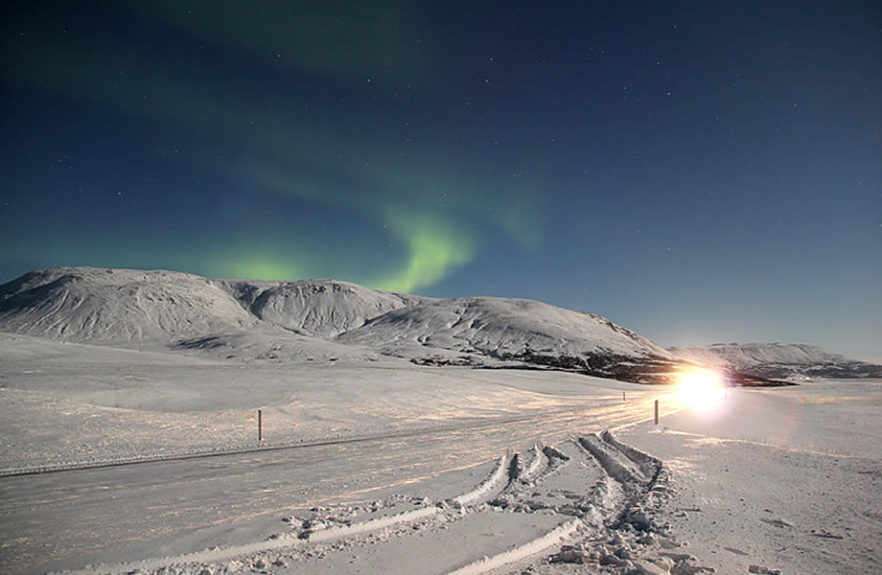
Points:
point(779, 480)
point(72, 406)
point(785, 481)
point(564, 495)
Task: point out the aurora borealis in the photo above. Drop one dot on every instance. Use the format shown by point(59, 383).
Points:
point(696, 171)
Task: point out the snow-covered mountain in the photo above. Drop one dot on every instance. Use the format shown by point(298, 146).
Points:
point(778, 360)
point(501, 328)
point(320, 307)
point(118, 306)
point(321, 319)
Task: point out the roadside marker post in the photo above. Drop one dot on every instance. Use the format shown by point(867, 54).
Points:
point(656, 412)
point(259, 425)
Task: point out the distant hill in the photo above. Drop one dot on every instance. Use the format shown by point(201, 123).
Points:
point(466, 330)
point(778, 360)
point(118, 306)
point(323, 320)
point(320, 307)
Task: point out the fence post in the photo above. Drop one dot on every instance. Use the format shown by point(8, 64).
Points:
point(656, 412)
point(259, 425)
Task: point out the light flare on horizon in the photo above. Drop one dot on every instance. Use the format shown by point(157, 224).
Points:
point(703, 390)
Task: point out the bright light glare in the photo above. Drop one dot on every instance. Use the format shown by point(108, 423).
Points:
point(701, 389)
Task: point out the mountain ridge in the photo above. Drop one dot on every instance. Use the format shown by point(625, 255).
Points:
point(326, 320)
point(779, 360)
point(113, 306)
point(314, 306)
point(323, 320)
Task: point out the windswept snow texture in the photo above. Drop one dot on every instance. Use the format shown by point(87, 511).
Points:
point(118, 306)
point(320, 307)
point(502, 328)
point(777, 360)
point(322, 320)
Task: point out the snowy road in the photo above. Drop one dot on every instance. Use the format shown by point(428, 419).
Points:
point(70, 519)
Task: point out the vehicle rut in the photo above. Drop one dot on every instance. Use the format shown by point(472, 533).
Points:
point(590, 489)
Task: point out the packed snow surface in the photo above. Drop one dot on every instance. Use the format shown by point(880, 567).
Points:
point(129, 409)
point(388, 467)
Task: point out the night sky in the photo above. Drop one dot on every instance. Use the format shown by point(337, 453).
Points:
point(697, 171)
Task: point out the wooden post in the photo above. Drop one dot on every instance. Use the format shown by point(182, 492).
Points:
point(260, 425)
point(656, 412)
point(623, 396)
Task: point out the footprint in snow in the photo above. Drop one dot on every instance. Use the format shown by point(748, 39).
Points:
point(825, 534)
point(777, 522)
point(762, 570)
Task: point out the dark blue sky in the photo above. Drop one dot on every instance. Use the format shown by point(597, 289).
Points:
point(697, 171)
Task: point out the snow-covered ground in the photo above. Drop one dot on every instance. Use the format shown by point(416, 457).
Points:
point(66, 403)
point(785, 480)
point(386, 467)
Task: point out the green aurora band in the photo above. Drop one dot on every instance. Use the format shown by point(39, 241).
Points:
point(437, 209)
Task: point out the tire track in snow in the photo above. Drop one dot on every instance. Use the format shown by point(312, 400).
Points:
point(492, 484)
point(521, 552)
point(614, 462)
point(624, 471)
point(485, 489)
point(625, 414)
point(537, 464)
point(496, 482)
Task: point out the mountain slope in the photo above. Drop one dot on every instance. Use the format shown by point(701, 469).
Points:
point(471, 330)
point(777, 360)
point(118, 306)
point(321, 320)
point(320, 307)
point(501, 327)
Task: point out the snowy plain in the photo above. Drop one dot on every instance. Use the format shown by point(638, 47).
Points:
point(381, 466)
